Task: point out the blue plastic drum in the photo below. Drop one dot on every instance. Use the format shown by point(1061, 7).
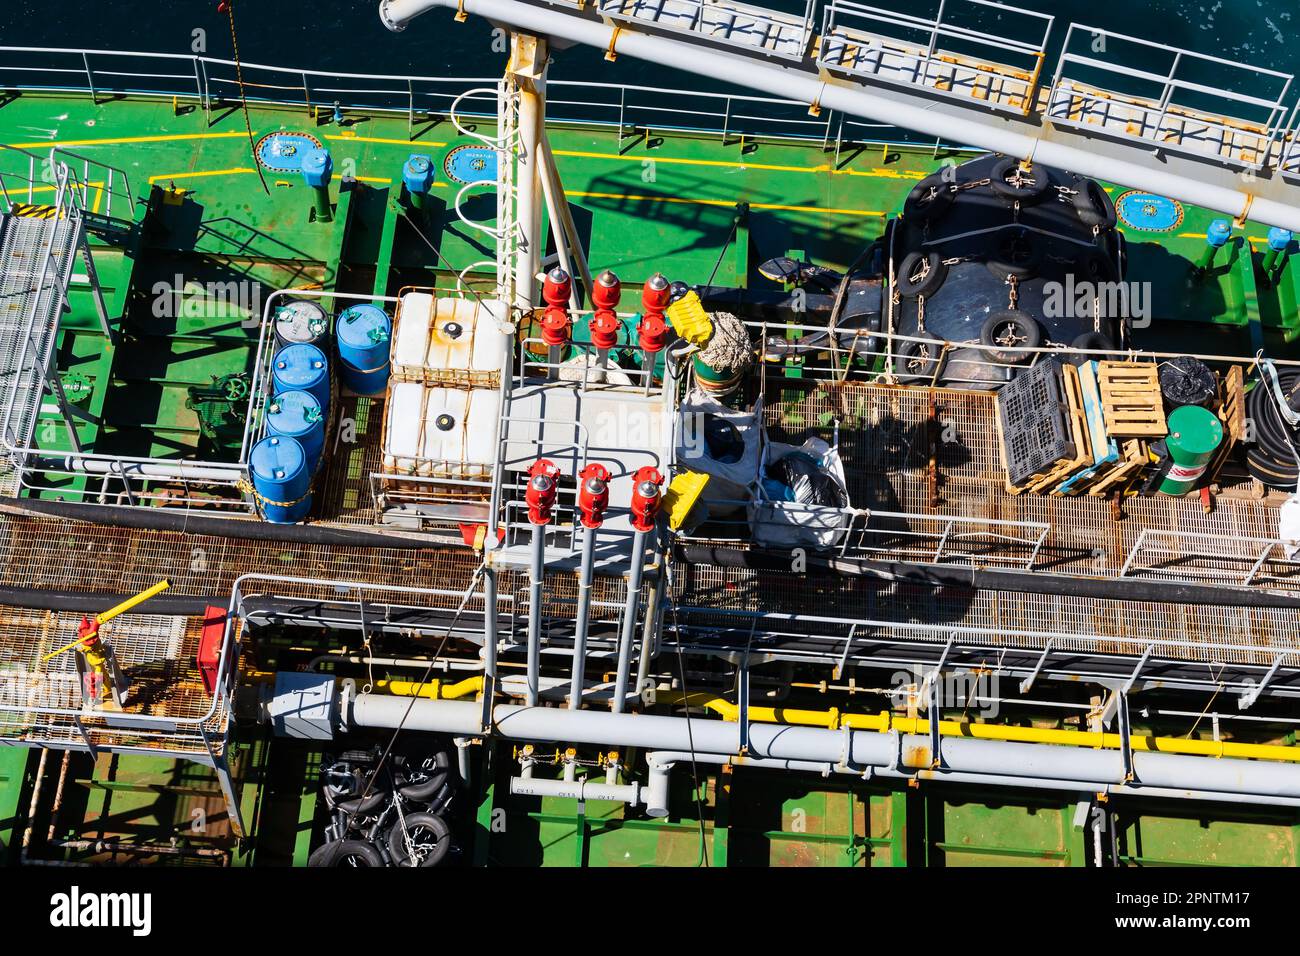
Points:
point(298, 415)
point(362, 333)
point(281, 479)
point(302, 367)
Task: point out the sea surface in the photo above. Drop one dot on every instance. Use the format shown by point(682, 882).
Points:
point(346, 35)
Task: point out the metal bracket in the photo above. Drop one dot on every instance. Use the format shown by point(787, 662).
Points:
point(1248, 698)
point(1028, 682)
point(1128, 684)
point(1125, 739)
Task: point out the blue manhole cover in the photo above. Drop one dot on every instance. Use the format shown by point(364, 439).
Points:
point(1149, 212)
point(471, 164)
point(282, 152)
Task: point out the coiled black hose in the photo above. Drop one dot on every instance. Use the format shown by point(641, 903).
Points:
point(1275, 457)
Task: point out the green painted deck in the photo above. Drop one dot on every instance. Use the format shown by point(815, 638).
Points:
point(646, 200)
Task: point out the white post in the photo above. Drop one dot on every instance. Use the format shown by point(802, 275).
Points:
point(528, 60)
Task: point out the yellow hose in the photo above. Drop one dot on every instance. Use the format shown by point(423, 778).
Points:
point(433, 689)
point(885, 722)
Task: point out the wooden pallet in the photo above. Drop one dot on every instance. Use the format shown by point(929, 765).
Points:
point(1232, 412)
point(1131, 401)
point(1134, 456)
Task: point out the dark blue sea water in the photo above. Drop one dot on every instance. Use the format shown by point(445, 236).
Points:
point(346, 35)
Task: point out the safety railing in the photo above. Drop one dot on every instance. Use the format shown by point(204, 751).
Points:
point(98, 189)
point(40, 702)
point(1172, 98)
point(865, 535)
point(1240, 561)
point(945, 53)
point(634, 110)
point(723, 21)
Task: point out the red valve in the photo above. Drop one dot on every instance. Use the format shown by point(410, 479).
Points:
point(645, 497)
point(593, 494)
point(542, 488)
point(656, 295)
point(556, 324)
point(652, 333)
point(604, 325)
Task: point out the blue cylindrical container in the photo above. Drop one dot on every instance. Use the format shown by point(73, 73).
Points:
point(298, 415)
point(302, 367)
point(281, 479)
point(363, 333)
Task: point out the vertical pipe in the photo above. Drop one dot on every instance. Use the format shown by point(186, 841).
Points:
point(629, 621)
point(649, 633)
point(528, 204)
point(535, 612)
point(584, 618)
point(489, 627)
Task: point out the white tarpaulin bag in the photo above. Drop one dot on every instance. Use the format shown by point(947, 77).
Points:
point(787, 524)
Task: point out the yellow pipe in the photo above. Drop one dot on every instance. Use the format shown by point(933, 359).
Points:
point(433, 689)
point(885, 722)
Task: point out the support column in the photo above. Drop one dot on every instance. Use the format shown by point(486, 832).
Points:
point(528, 58)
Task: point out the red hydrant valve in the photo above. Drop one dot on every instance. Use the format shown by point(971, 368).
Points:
point(542, 488)
point(593, 494)
point(652, 333)
point(557, 287)
point(604, 325)
point(604, 328)
point(556, 326)
point(645, 497)
point(656, 295)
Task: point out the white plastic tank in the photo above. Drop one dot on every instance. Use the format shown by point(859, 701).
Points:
point(458, 430)
point(403, 431)
point(449, 340)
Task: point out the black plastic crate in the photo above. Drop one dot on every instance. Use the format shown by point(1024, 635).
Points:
point(1035, 422)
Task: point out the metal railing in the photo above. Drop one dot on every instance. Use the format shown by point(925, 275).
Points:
point(914, 50)
point(633, 110)
point(723, 21)
point(1196, 104)
point(28, 176)
point(1228, 560)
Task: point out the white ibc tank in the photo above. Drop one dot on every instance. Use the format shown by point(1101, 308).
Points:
point(450, 340)
point(403, 431)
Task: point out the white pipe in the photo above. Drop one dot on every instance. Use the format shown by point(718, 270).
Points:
point(528, 193)
point(629, 621)
point(584, 789)
point(537, 573)
point(990, 761)
point(583, 619)
point(795, 83)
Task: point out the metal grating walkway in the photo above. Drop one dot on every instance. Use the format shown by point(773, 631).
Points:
point(36, 260)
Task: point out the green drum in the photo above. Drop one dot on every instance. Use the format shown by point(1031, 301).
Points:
point(1194, 434)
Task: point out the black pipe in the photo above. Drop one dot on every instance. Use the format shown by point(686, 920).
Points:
point(191, 522)
point(1024, 582)
point(44, 599)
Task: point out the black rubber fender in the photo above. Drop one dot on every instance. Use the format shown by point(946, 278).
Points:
point(1094, 206)
point(1017, 256)
point(929, 199)
point(1030, 191)
point(430, 835)
point(921, 273)
point(1092, 342)
point(1007, 334)
point(917, 362)
point(356, 853)
point(360, 806)
point(420, 780)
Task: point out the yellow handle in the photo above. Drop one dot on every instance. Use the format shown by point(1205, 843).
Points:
point(111, 613)
point(131, 602)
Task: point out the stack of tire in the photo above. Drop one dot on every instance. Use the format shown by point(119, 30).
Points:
point(386, 812)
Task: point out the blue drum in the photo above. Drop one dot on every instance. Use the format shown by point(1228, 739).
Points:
point(281, 479)
point(302, 367)
point(363, 333)
point(298, 415)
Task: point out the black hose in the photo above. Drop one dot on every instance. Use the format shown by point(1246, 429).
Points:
point(1274, 460)
point(190, 522)
point(1024, 582)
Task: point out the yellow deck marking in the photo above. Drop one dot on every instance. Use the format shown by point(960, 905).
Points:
point(379, 139)
point(729, 202)
point(876, 173)
point(1200, 235)
point(196, 175)
point(96, 184)
point(126, 139)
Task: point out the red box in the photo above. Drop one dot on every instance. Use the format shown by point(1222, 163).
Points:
point(209, 656)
